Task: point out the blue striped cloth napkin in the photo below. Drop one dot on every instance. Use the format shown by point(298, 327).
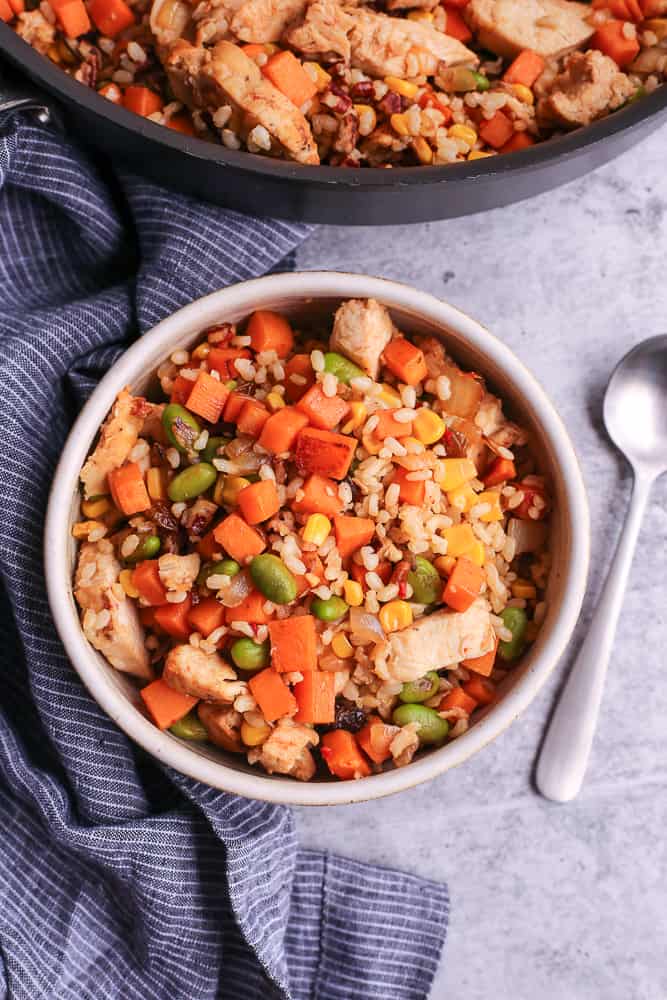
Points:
point(120, 879)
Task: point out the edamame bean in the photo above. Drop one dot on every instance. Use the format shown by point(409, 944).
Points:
point(341, 367)
point(191, 482)
point(420, 690)
point(425, 582)
point(249, 655)
point(211, 450)
point(273, 579)
point(481, 80)
point(190, 727)
point(516, 620)
point(180, 426)
point(147, 548)
point(432, 729)
point(225, 567)
point(329, 610)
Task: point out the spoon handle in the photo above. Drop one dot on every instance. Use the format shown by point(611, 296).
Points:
point(564, 755)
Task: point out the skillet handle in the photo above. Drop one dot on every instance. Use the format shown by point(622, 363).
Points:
point(17, 94)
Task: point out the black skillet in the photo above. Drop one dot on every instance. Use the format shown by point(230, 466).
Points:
point(339, 196)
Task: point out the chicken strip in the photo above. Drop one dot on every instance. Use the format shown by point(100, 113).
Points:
point(110, 620)
point(224, 75)
point(549, 27)
point(590, 86)
point(178, 572)
point(435, 641)
point(120, 432)
point(374, 43)
point(286, 750)
point(223, 725)
point(361, 331)
point(201, 675)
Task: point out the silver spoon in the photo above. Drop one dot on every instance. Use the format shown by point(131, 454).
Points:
point(635, 415)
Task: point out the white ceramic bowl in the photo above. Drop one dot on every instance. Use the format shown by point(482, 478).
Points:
point(414, 312)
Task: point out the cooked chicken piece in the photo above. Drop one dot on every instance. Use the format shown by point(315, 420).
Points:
point(374, 43)
point(223, 725)
point(590, 85)
point(265, 20)
point(286, 750)
point(120, 432)
point(152, 425)
point(197, 518)
point(212, 78)
point(489, 416)
point(178, 572)
point(412, 4)
point(362, 329)
point(435, 641)
point(549, 27)
point(110, 620)
point(650, 60)
point(507, 435)
point(34, 29)
point(202, 675)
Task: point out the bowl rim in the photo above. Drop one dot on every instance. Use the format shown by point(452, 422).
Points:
point(136, 361)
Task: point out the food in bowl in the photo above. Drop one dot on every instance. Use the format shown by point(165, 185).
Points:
point(405, 82)
point(321, 547)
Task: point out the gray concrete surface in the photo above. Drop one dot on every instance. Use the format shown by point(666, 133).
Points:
point(548, 902)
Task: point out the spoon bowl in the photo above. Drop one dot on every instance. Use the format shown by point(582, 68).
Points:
point(635, 406)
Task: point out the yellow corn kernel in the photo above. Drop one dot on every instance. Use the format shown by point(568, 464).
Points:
point(478, 154)
point(450, 473)
point(342, 646)
point(254, 736)
point(126, 583)
point(402, 87)
point(228, 488)
point(395, 616)
point(156, 484)
point(368, 119)
point(428, 427)
point(317, 529)
point(84, 528)
point(202, 351)
point(389, 395)
point(462, 498)
point(353, 593)
point(444, 564)
point(399, 124)
point(422, 149)
point(525, 589)
point(460, 539)
point(420, 15)
point(358, 413)
point(95, 508)
point(524, 93)
point(476, 553)
point(274, 401)
point(492, 497)
point(463, 132)
point(318, 75)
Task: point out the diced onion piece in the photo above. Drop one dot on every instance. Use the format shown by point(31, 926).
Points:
point(365, 627)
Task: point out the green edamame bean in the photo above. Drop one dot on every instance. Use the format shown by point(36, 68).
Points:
point(425, 582)
point(211, 450)
point(341, 367)
point(180, 426)
point(329, 610)
point(420, 690)
point(273, 579)
point(231, 384)
point(191, 482)
point(481, 80)
point(249, 655)
point(432, 729)
point(516, 620)
point(189, 727)
point(148, 548)
point(225, 567)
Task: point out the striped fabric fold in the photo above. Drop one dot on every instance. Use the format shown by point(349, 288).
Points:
point(120, 879)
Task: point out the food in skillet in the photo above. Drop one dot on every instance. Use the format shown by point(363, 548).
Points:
point(323, 546)
point(395, 82)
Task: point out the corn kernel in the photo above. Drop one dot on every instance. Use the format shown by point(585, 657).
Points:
point(317, 529)
point(399, 124)
point(463, 132)
point(202, 351)
point(126, 583)
point(371, 444)
point(353, 593)
point(84, 528)
point(476, 553)
point(254, 736)
point(420, 15)
point(492, 497)
point(389, 395)
point(450, 473)
point(402, 87)
point(462, 498)
point(318, 75)
point(358, 414)
point(460, 539)
point(228, 488)
point(428, 426)
point(274, 401)
point(395, 616)
point(524, 93)
point(525, 589)
point(342, 646)
point(367, 118)
point(156, 484)
point(478, 154)
point(95, 508)
point(444, 564)
point(422, 149)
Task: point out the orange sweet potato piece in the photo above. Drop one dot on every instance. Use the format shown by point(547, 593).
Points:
point(316, 697)
point(324, 452)
point(268, 331)
point(464, 584)
point(272, 695)
point(342, 755)
point(293, 644)
point(320, 496)
point(352, 532)
point(259, 501)
point(166, 706)
point(238, 539)
point(322, 411)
